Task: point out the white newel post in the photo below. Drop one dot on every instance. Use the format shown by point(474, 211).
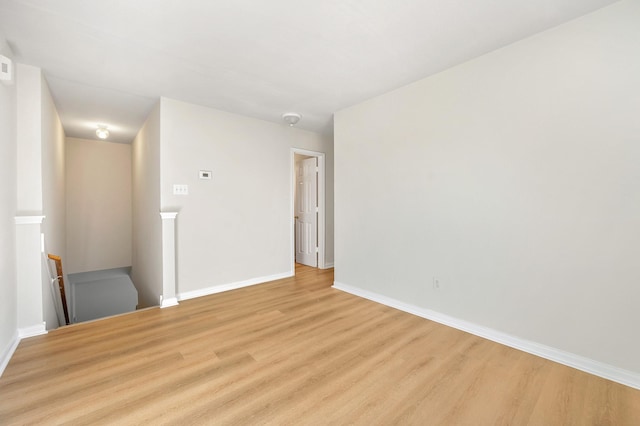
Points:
point(29, 276)
point(168, 297)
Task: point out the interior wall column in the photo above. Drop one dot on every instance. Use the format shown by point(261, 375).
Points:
point(29, 276)
point(168, 297)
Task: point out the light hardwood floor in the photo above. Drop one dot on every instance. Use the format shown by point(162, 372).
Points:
point(294, 351)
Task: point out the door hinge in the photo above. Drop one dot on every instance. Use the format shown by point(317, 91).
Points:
point(317, 249)
point(317, 210)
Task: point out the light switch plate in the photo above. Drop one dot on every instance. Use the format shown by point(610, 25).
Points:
point(180, 189)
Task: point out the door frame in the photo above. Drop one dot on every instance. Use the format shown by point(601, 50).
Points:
point(321, 205)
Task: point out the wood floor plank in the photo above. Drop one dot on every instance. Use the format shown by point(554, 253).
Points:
point(293, 351)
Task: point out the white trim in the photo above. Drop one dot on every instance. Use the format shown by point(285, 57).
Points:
point(168, 297)
point(34, 330)
point(29, 220)
point(597, 368)
point(232, 286)
point(321, 204)
point(8, 352)
point(328, 265)
point(21, 333)
point(168, 215)
point(165, 303)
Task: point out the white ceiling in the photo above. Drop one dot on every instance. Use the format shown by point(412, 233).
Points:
point(109, 61)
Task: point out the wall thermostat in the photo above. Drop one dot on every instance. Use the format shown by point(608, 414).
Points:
point(6, 69)
point(205, 174)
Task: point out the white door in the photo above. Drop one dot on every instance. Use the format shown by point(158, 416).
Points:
point(307, 212)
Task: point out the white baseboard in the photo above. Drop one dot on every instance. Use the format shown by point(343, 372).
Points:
point(172, 301)
point(328, 265)
point(34, 330)
point(7, 353)
point(232, 286)
point(606, 371)
point(21, 333)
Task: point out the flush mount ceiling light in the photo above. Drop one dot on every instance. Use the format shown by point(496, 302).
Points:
point(102, 132)
point(291, 118)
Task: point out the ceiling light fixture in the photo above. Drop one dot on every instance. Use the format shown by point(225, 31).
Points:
point(102, 132)
point(291, 118)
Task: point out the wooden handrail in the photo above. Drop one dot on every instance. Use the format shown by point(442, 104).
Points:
point(58, 262)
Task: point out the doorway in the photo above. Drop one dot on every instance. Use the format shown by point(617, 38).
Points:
point(307, 208)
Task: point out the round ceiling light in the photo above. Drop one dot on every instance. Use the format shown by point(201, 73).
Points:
point(102, 132)
point(291, 117)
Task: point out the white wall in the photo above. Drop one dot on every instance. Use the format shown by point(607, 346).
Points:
point(146, 267)
point(98, 193)
point(237, 226)
point(53, 193)
point(40, 192)
point(29, 139)
point(29, 262)
point(329, 205)
point(8, 301)
point(514, 179)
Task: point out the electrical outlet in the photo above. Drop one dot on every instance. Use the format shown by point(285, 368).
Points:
point(436, 283)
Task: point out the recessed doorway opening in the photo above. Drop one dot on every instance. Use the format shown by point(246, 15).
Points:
point(307, 208)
